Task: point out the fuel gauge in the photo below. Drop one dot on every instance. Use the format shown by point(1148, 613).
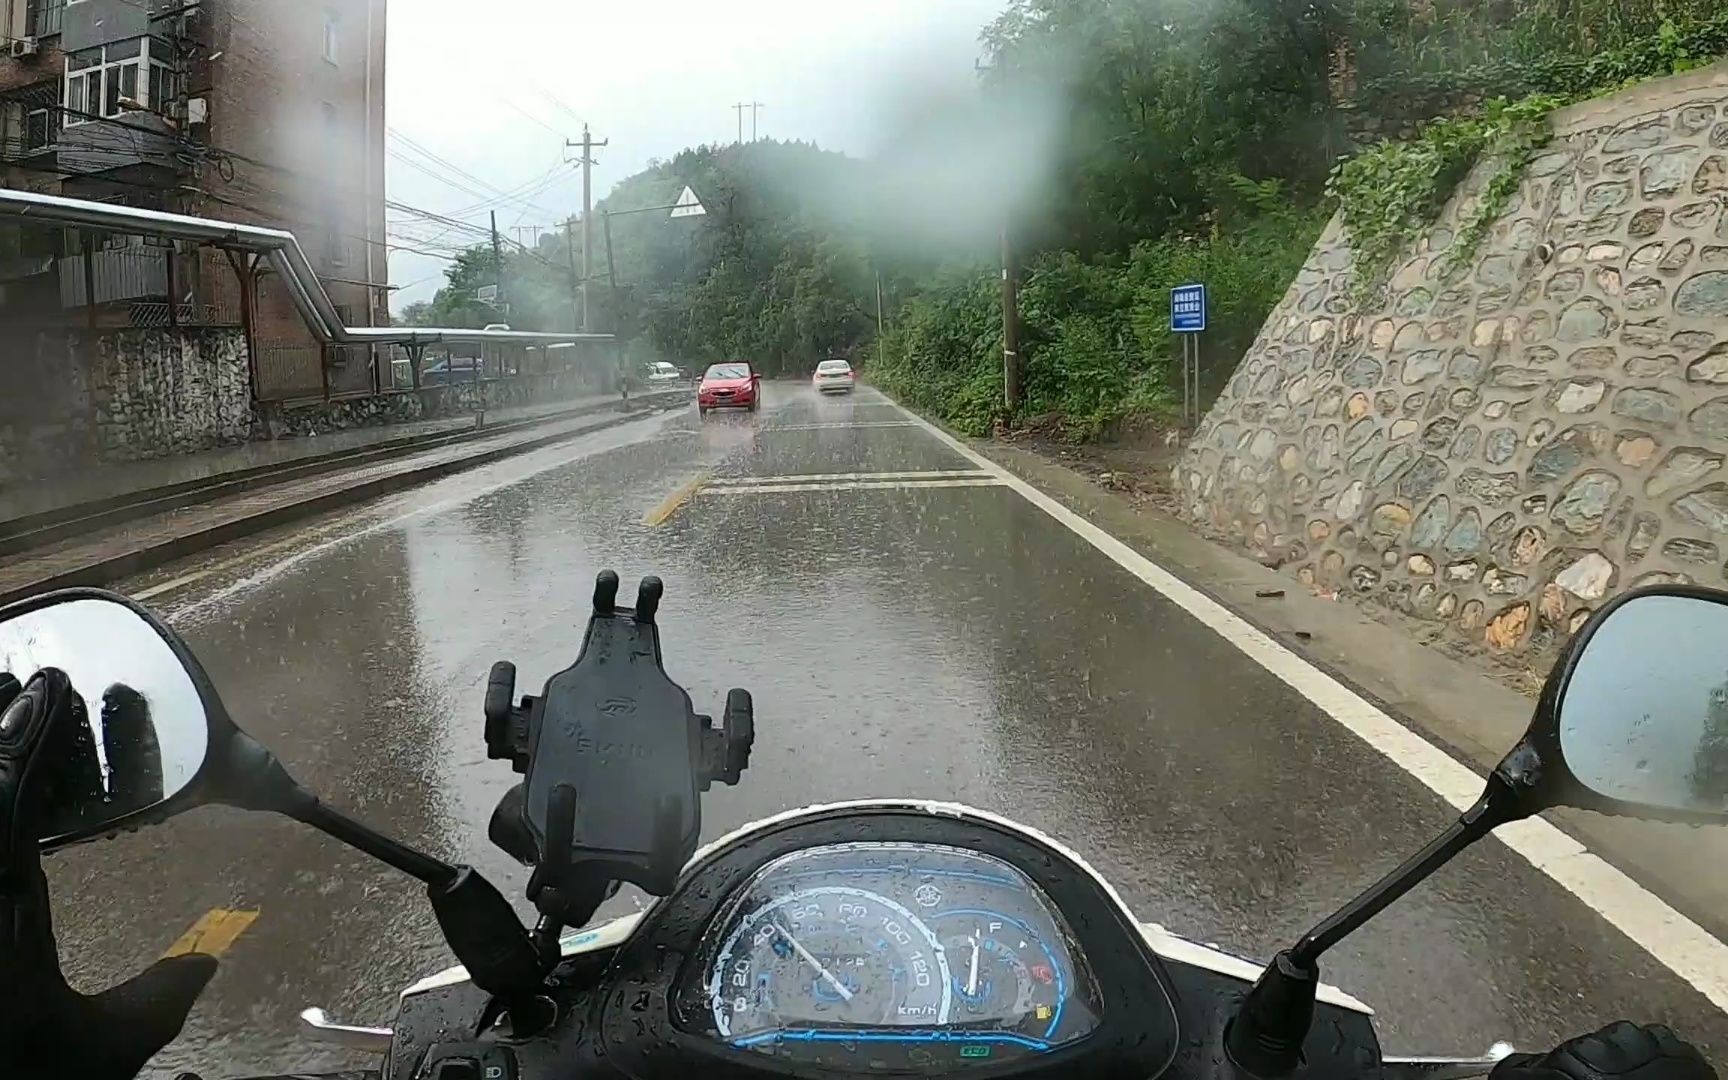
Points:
point(1004, 976)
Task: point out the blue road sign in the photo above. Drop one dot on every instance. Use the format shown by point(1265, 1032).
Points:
point(1188, 309)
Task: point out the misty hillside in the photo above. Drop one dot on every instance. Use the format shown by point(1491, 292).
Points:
point(1129, 145)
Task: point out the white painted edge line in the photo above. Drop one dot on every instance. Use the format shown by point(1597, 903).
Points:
point(840, 425)
point(813, 478)
point(711, 490)
point(1673, 940)
point(539, 461)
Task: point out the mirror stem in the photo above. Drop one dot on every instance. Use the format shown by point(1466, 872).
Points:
point(413, 863)
point(1265, 1037)
point(1471, 826)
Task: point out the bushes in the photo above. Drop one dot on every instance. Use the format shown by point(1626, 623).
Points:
point(1390, 193)
point(944, 353)
point(1095, 334)
point(1170, 100)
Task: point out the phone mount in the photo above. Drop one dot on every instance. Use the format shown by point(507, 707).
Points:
point(615, 758)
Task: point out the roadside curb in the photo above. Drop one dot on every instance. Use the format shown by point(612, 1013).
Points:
point(123, 564)
point(29, 531)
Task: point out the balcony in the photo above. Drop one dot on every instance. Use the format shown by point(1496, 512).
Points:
point(146, 144)
point(43, 18)
point(121, 275)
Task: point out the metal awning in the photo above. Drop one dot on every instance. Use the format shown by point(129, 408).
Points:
point(281, 250)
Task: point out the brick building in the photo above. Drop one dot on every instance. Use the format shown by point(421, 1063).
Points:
point(269, 112)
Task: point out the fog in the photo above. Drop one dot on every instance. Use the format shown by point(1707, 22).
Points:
point(891, 79)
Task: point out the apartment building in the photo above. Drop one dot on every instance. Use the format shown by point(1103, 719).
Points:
point(269, 112)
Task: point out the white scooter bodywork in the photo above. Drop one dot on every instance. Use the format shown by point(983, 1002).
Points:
point(1169, 946)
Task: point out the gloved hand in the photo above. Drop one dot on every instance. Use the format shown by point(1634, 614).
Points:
point(46, 1027)
point(1620, 1051)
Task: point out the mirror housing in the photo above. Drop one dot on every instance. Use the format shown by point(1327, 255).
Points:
point(1616, 698)
point(232, 767)
point(1620, 691)
point(236, 770)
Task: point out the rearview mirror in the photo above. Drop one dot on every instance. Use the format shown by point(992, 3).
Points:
point(145, 739)
point(1634, 719)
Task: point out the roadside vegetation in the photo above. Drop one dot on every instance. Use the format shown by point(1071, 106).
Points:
point(1198, 140)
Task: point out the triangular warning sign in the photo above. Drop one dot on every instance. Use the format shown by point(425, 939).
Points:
point(688, 205)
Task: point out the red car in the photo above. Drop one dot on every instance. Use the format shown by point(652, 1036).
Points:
point(732, 385)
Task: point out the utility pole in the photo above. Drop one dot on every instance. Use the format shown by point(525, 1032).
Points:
point(588, 145)
point(497, 260)
point(570, 253)
point(879, 344)
point(754, 105)
point(1010, 323)
point(739, 109)
point(1011, 369)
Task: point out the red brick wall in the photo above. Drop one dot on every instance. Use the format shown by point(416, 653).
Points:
point(49, 64)
point(269, 91)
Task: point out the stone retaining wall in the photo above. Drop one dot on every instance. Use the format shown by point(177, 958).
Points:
point(429, 403)
point(1501, 450)
point(76, 399)
point(156, 393)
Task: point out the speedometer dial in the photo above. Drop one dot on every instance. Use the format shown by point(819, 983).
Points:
point(830, 956)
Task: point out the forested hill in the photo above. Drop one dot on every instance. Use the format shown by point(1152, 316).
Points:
point(1156, 141)
point(778, 271)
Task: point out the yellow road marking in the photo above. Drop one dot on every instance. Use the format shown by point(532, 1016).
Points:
point(214, 933)
point(661, 514)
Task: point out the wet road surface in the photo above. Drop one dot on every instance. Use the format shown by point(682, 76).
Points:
point(924, 635)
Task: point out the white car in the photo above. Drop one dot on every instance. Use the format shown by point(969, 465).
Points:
point(834, 376)
point(662, 374)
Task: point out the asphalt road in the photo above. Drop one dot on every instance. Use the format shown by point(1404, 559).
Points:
point(932, 634)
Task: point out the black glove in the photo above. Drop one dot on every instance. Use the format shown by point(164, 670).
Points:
point(131, 749)
point(46, 1027)
point(1620, 1051)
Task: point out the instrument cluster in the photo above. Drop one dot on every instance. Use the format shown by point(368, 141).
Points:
point(893, 956)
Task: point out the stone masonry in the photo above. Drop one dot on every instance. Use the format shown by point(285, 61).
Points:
point(156, 393)
point(1500, 450)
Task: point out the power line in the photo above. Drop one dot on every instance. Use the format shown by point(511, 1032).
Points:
point(532, 187)
point(66, 174)
point(535, 119)
point(453, 167)
point(556, 101)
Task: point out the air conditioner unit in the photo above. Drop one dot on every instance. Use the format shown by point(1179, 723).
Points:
point(198, 110)
point(22, 47)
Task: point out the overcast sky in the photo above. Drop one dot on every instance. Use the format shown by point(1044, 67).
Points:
point(494, 88)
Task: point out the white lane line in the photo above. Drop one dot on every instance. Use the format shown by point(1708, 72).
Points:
point(1676, 942)
point(536, 465)
point(846, 485)
point(840, 425)
point(812, 478)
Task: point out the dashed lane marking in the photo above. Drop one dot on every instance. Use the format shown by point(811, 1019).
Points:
point(1673, 940)
point(214, 933)
point(670, 505)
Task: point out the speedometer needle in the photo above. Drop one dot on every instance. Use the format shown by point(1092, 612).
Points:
point(805, 955)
